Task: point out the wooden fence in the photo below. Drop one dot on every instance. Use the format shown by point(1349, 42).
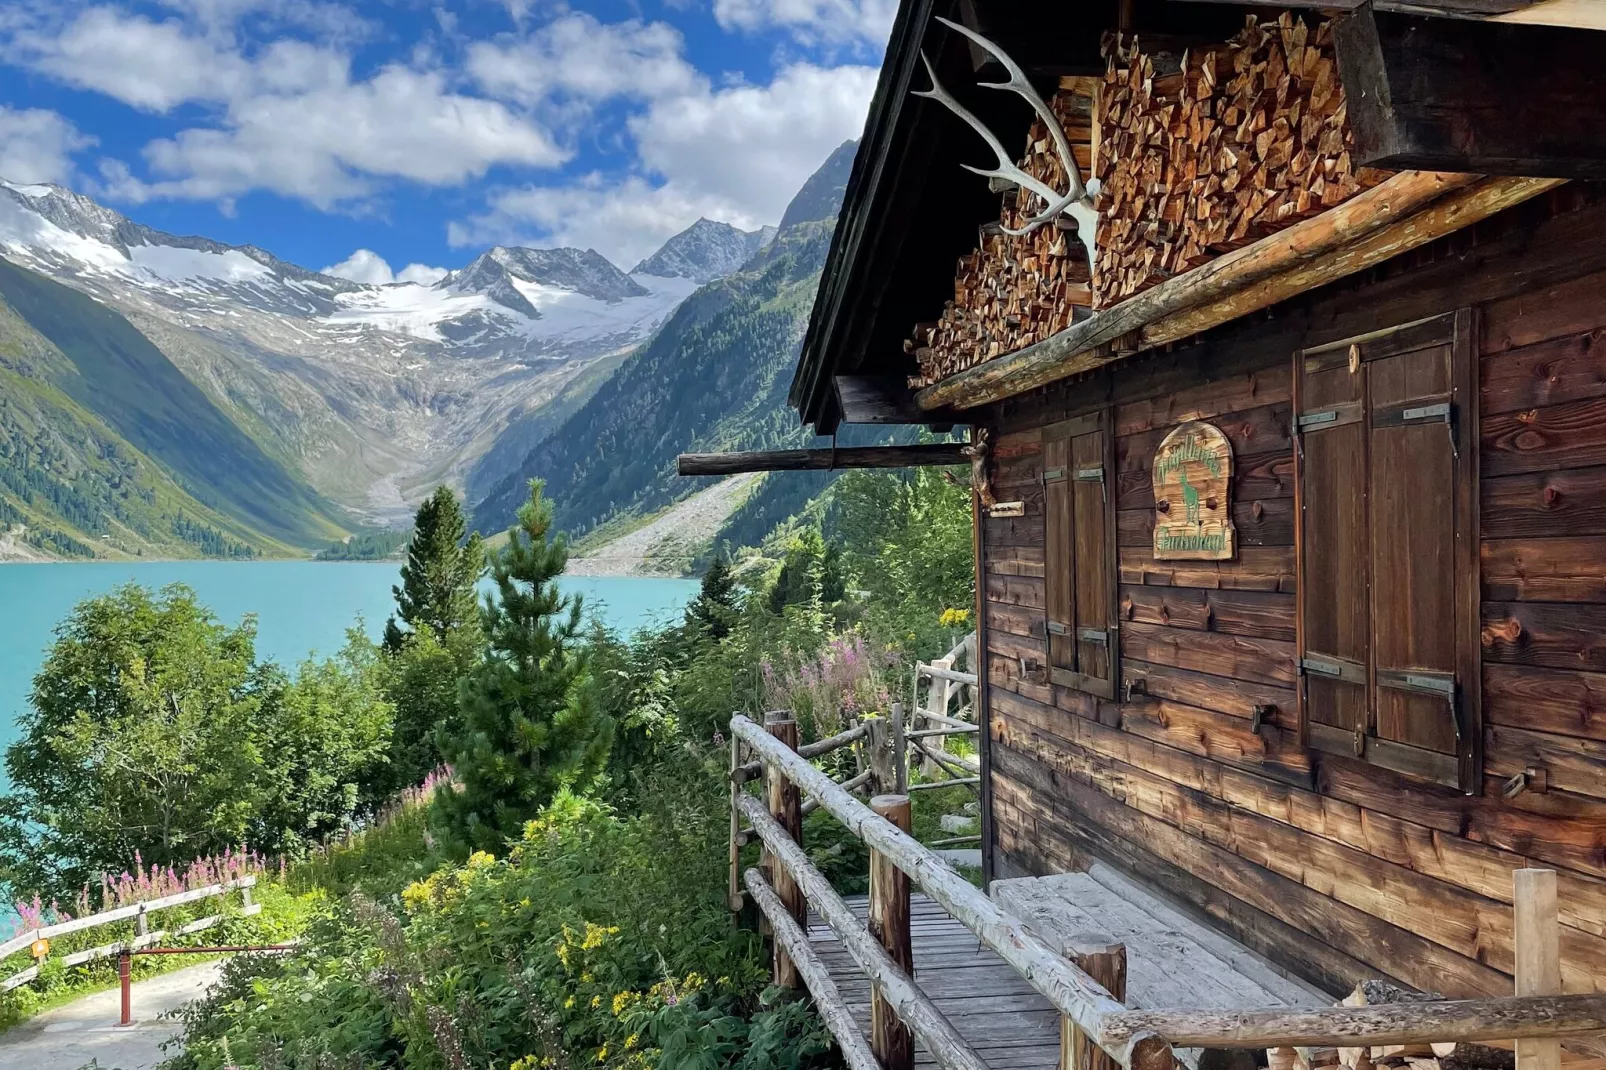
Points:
point(136, 912)
point(788, 884)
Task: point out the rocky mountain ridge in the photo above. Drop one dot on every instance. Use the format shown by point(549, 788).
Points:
point(373, 392)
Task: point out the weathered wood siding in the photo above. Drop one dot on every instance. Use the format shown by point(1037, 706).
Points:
point(1339, 869)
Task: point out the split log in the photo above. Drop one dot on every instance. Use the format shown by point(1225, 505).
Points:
point(1234, 144)
point(833, 1010)
point(1090, 343)
point(786, 807)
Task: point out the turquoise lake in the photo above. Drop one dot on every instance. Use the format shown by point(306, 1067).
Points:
point(302, 607)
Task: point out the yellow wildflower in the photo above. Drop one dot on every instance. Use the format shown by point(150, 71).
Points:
point(480, 859)
point(630, 1041)
point(602, 1054)
point(596, 1001)
point(568, 1004)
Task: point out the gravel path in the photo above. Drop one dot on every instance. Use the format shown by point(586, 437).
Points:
point(68, 1037)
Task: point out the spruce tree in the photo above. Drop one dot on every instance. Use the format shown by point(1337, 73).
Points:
point(437, 588)
point(531, 722)
point(711, 612)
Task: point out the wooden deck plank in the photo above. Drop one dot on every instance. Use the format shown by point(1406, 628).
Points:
point(1009, 1024)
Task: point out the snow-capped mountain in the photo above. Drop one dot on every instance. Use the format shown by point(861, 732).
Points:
point(376, 391)
point(705, 251)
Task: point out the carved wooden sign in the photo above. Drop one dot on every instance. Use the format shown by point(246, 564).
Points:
point(1192, 482)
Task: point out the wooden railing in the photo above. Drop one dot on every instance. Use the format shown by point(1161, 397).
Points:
point(1133, 1039)
point(135, 912)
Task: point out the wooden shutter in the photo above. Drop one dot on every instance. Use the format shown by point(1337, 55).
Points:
point(1388, 565)
point(1078, 468)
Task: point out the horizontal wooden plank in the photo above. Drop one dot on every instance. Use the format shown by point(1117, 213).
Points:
point(1457, 920)
point(1569, 435)
point(1551, 311)
point(1267, 614)
point(1262, 522)
point(1012, 531)
point(1013, 560)
point(1004, 674)
point(1235, 697)
point(1544, 504)
point(1220, 738)
point(1478, 867)
point(1256, 568)
point(1570, 763)
point(1392, 949)
point(1571, 368)
point(1562, 701)
point(1025, 591)
point(1556, 635)
point(1262, 475)
point(1265, 429)
point(1014, 620)
point(1570, 569)
point(1266, 661)
point(1557, 828)
point(1068, 840)
point(1207, 400)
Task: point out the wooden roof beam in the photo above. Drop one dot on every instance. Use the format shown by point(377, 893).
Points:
point(1493, 98)
point(723, 464)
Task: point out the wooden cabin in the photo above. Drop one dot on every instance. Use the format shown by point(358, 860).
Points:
point(1291, 508)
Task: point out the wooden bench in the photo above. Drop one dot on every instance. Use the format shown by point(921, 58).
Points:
point(1172, 961)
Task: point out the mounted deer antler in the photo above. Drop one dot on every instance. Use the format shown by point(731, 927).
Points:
point(1075, 202)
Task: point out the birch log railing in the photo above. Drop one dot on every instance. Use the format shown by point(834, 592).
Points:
point(1135, 1039)
point(930, 723)
point(135, 912)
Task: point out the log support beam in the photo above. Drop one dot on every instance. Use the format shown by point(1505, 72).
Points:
point(924, 454)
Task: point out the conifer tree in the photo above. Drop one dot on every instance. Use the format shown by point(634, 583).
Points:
point(711, 611)
point(531, 721)
point(437, 588)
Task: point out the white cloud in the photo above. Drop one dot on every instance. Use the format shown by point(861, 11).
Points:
point(578, 56)
point(367, 266)
point(292, 119)
point(37, 145)
point(865, 22)
point(422, 274)
point(736, 154)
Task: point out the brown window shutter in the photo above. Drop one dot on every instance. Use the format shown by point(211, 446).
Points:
point(1334, 575)
point(1387, 545)
point(1413, 528)
point(1080, 588)
point(1059, 552)
point(1097, 642)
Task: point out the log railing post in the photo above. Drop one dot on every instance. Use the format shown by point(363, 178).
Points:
point(733, 892)
point(878, 746)
point(890, 1038)
point(1538, 947)
point(786, 806)
point(900, 751)
point(1103, 959)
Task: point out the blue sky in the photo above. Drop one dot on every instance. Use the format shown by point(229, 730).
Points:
point(419, 132)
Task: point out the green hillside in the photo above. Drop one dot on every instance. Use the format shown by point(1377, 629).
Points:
point(106, 448)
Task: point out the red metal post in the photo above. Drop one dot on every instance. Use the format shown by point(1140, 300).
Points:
point(124, 973)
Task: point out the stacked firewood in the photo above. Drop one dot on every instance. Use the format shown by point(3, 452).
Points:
point(1449, 1055)
point(1014, 291)
point(1205, 153)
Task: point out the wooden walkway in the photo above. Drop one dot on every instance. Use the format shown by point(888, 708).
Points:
point(1008, 1022)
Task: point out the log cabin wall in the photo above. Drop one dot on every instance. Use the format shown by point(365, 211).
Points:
point(1340, 869)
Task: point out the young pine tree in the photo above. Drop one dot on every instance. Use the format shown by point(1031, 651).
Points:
point(715, 605)
point(531, 722)
point(437, 588)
